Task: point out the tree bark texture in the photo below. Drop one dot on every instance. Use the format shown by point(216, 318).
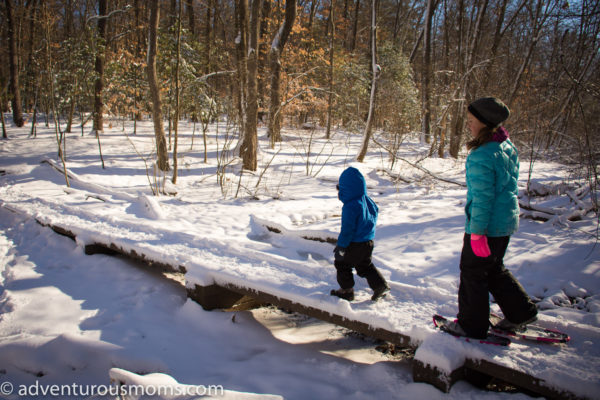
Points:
point(426, 77)
point(13, 56)
point(375, 75)
point(177, 95)
point(159, 133)
point(465, 67)
point(250, 144)
point(99, 67)
point(30, 92)
point(208, 33)
point(331, 24)
point(354, 26)
point(274, 129)
point(189, 6)
point(242, 23)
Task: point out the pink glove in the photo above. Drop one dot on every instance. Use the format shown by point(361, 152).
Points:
point(479, 244)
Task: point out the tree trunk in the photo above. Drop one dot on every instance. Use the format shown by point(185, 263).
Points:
point(189, 6)
point(51, 77)
point(476, 33)
point(313, 10)
point(30, 93)
point(375, 75)
point(263, 55)
point(354, 27)
point(396, 21)
point(4, 134)
point(250, 144)
point(208, 34)
point(274, 129)
point(241, 18)
point(495, 43)
point(442, 127)
point(177, 95)
point(68, 33)
point(331, 24)
point(140, 36)
point(159, 133)
point(99, 68)
point(426, 77)
point(459, 110)
point(457, 121)
point(538, 22)
point(14, 65)
point(172, 13)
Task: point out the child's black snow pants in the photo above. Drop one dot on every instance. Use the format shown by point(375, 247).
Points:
point(478, 276)
point(358, 255)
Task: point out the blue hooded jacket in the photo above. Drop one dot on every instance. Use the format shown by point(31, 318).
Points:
point(359, 213)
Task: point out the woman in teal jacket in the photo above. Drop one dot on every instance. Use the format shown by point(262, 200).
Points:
point(492, 216)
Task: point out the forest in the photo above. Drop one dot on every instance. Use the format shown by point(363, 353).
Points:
point(203, 140)
point(384, 69)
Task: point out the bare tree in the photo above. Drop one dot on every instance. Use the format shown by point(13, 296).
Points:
point(177, 94)
point(4, 134)
point(250, 144)
point(277, 46)
point(375, 70)
point(465, 69)
point(68, 33)
point(159, 133)
point(241, 18)
point(352, 45)
point(100, 55)
point(500, 14)
point(208, 33)
point(50, 73)
point(31, 92)
point(538, 20)
point(14, 65)
point(331, 25)
point(189, 6)
point(426, 76)
point(314, 4)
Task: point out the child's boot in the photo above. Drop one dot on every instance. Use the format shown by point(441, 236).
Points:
point(380, 292)
point(346, 294)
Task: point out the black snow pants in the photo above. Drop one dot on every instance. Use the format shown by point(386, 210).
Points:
point(480, 276)
point(358, 255)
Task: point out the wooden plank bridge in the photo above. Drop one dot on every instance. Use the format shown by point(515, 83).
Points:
point(226, 295)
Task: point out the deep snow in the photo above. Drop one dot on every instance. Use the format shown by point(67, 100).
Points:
point(67, 317)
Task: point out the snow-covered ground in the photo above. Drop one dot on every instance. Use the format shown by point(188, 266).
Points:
point(70, 318)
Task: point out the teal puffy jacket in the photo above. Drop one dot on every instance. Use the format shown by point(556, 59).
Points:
point(492, 205)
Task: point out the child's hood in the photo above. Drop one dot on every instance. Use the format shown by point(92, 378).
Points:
point(352, 185)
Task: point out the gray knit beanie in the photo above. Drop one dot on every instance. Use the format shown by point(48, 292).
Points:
point(489, 110)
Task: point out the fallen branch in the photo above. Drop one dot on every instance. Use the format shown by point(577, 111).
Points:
point(538, 213)
point(313, 238)
point(545, 210)
point(431, 173)
point(395, 177)
point(418, 166)
point(576, 199)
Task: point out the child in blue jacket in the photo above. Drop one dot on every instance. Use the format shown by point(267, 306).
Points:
point(492, 216)
point(355, 241)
